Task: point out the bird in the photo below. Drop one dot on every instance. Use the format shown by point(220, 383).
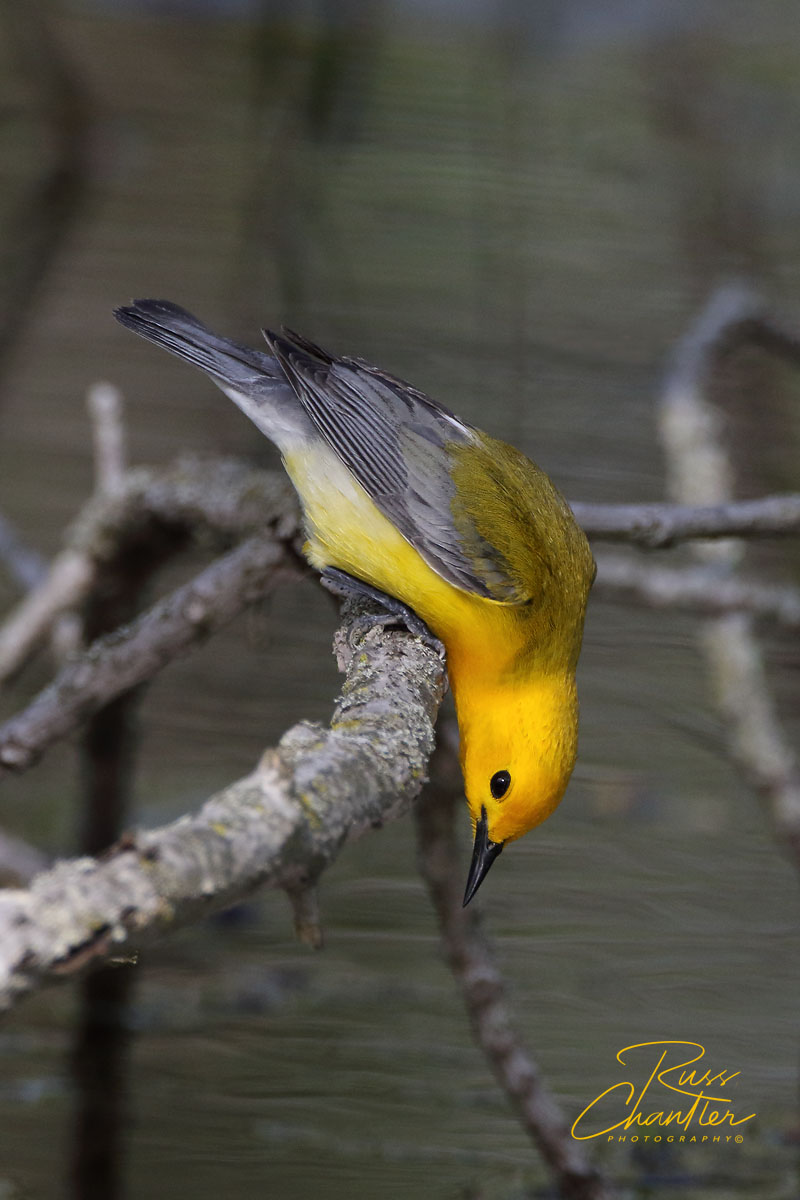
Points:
point(407, 502)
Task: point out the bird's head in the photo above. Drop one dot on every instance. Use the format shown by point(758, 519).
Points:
point(517, 754)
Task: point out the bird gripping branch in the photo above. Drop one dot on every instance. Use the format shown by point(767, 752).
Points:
point(404, 497)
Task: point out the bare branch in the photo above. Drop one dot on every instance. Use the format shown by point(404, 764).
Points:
point(221, 499)
point(305, 908)
point(696, 589)
point(65, 585)
point(118, 662)
point(473, 965)
point(700, 471)
point(279, 827)
point(104, 402)
point(656, 526)
point(756, 739)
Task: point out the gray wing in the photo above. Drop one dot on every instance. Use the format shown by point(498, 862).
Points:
point(393, 439)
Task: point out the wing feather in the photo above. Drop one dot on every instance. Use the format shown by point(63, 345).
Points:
point(395, 439)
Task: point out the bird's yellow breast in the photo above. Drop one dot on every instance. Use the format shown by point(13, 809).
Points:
point(347, 530)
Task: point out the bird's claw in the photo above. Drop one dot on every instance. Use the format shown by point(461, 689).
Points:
point(395, 613)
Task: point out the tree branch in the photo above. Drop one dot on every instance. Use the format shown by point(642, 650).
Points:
point(279, 827)
point(657, 526)
point(121, 660)
point(735, 315)
point(700, 471)
point(223, 500)
point(698, 589)
point(63, 587)
point(472, 962)
point(104, 402)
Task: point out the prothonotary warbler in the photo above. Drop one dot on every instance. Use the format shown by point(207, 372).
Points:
point(464, 530)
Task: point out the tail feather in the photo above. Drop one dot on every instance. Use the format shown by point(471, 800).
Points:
point(252, 379)
point(181, 333)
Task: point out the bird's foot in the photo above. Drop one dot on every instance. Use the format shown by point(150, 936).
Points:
point(395, 613)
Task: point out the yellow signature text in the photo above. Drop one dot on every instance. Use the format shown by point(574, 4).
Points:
point(702, 1090)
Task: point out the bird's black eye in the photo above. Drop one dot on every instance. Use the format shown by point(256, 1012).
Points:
point(499, 784)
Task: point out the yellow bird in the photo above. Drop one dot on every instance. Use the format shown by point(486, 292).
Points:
point(402, 496)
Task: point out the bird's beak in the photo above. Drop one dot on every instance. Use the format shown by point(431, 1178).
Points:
point(483, 855)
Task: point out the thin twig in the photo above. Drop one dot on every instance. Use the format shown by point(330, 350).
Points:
point(657, 526)
point(64, 587)
point(135, 653)
point(104, 402)
point(473, 965)
point(279, 827)
point(700, 589)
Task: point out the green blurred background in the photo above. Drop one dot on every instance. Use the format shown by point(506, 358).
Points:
point(519, 207)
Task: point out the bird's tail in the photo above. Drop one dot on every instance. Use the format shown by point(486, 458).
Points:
point(172, 327)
